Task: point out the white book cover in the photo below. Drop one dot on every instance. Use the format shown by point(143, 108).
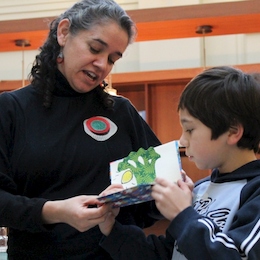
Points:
point(143, 166)
point(138, 171)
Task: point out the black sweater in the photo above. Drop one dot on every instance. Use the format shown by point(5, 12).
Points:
point(46, 154)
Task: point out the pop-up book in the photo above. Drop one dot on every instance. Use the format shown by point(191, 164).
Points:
point(138, 171)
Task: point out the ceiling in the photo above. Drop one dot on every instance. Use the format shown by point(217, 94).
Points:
point(153, 24)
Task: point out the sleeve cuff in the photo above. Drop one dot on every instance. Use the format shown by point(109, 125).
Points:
point(182, 221)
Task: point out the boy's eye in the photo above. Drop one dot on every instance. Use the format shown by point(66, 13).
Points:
point(189, 130)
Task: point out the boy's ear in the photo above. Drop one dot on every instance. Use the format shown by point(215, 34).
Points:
point(235, 133)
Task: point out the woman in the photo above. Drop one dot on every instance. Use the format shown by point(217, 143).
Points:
point(59, 134)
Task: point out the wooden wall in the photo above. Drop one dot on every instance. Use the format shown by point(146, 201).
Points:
point(156, 92)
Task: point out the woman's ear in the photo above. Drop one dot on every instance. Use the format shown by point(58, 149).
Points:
point(235, 133)
point(63, 31)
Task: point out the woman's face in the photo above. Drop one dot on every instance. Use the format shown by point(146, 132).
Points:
point(89, 56)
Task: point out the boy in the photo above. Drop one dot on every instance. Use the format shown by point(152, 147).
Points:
point(219, 113)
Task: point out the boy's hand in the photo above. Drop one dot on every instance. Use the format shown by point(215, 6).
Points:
point(187, 180)
point(171, 198)
point(106, 226)
point(112, 189)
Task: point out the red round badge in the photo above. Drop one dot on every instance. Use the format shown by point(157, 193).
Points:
point(98, 125)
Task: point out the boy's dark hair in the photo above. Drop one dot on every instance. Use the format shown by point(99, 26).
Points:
point(222, 97)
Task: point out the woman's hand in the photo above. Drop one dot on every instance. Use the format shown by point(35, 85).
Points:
point(171, 198)
point(81, 212)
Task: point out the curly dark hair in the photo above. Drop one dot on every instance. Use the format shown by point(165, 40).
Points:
point(82, 16)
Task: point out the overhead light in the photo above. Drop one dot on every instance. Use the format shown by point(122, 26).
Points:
point(204, 29)
point(109, 89)
point(22, 43)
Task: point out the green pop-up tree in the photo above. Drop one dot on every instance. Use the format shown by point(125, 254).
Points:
point(141, 164)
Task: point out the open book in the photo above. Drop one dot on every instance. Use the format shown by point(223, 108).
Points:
point(138, 170)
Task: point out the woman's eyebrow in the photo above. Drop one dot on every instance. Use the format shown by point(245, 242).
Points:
point(106, 45)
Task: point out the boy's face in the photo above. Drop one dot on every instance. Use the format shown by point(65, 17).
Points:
point(196, 138)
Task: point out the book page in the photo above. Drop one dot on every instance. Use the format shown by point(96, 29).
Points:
point(138, 171)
